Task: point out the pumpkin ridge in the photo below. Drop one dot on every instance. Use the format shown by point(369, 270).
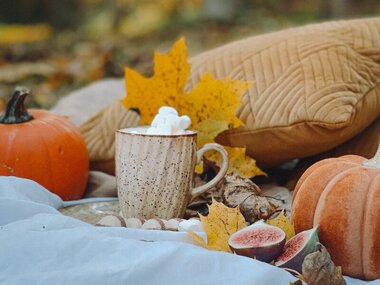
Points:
point(340, 236)
point(311, 190)
point(308, 172)
point(363, 231)
point(45, 140)
point(373, 240)
point(51, 122)
point(74, 134)
point(47, 148)
point(38, 164)
point(311, 169)
point(10, 141)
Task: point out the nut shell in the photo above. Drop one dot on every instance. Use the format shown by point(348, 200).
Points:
point(172, 224)
point(111, 221)
point(153, 224)
point(135, 223)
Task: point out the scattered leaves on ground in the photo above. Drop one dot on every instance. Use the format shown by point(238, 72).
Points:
point(220, 223)
point(318, 269)
point(284, 223)
point(15, 34)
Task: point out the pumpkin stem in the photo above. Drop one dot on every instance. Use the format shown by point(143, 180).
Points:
point(375, 161)
point(15, 111)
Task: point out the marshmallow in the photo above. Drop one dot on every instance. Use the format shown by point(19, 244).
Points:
point(167, 122)
point(168, 110)
point(191, 225)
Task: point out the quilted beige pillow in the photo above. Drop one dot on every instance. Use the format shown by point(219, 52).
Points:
point(316, 87)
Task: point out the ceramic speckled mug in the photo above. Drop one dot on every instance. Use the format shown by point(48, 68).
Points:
point(155, 172)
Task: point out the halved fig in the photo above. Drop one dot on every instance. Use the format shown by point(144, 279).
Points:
point(297, 248)
point(260, 241)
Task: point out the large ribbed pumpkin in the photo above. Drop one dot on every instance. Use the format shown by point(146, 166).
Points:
point(44, 147)
point(342, 196)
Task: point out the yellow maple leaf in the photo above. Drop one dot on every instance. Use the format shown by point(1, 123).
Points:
point(171, 71)
point(208, 129)
point(216, 99)
point(211, 105)
point(284, 223)
point(220, 223)
point(240, 163)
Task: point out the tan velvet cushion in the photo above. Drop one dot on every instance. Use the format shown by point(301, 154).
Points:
point(316, 87)
point(364, 144)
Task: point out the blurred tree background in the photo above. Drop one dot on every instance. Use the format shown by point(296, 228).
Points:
point(56, 46)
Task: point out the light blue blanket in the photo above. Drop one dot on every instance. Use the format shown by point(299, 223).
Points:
point(39, 245)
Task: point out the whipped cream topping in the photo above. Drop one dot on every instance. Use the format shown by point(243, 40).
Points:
point(167, 122)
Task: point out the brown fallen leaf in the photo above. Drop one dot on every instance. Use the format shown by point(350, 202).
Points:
point(298, 282)
point(318, 269)
point(242, 192)
point(233, 191)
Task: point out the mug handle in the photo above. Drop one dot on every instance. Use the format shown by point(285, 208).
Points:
point(223, 169)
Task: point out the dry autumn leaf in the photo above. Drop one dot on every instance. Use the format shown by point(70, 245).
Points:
point(214, 99)
point(318, 269)
point(208, 129)
point(211, 104)
point(284, 223)
point(242, 192)
point(220, 223)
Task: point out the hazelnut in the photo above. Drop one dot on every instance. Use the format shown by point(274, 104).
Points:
point(135, 223)
point(111, 221)
point(153, 224)
point(172, 224)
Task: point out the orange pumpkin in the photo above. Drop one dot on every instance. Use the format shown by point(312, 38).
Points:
point(342, 196)
point(44, 147)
